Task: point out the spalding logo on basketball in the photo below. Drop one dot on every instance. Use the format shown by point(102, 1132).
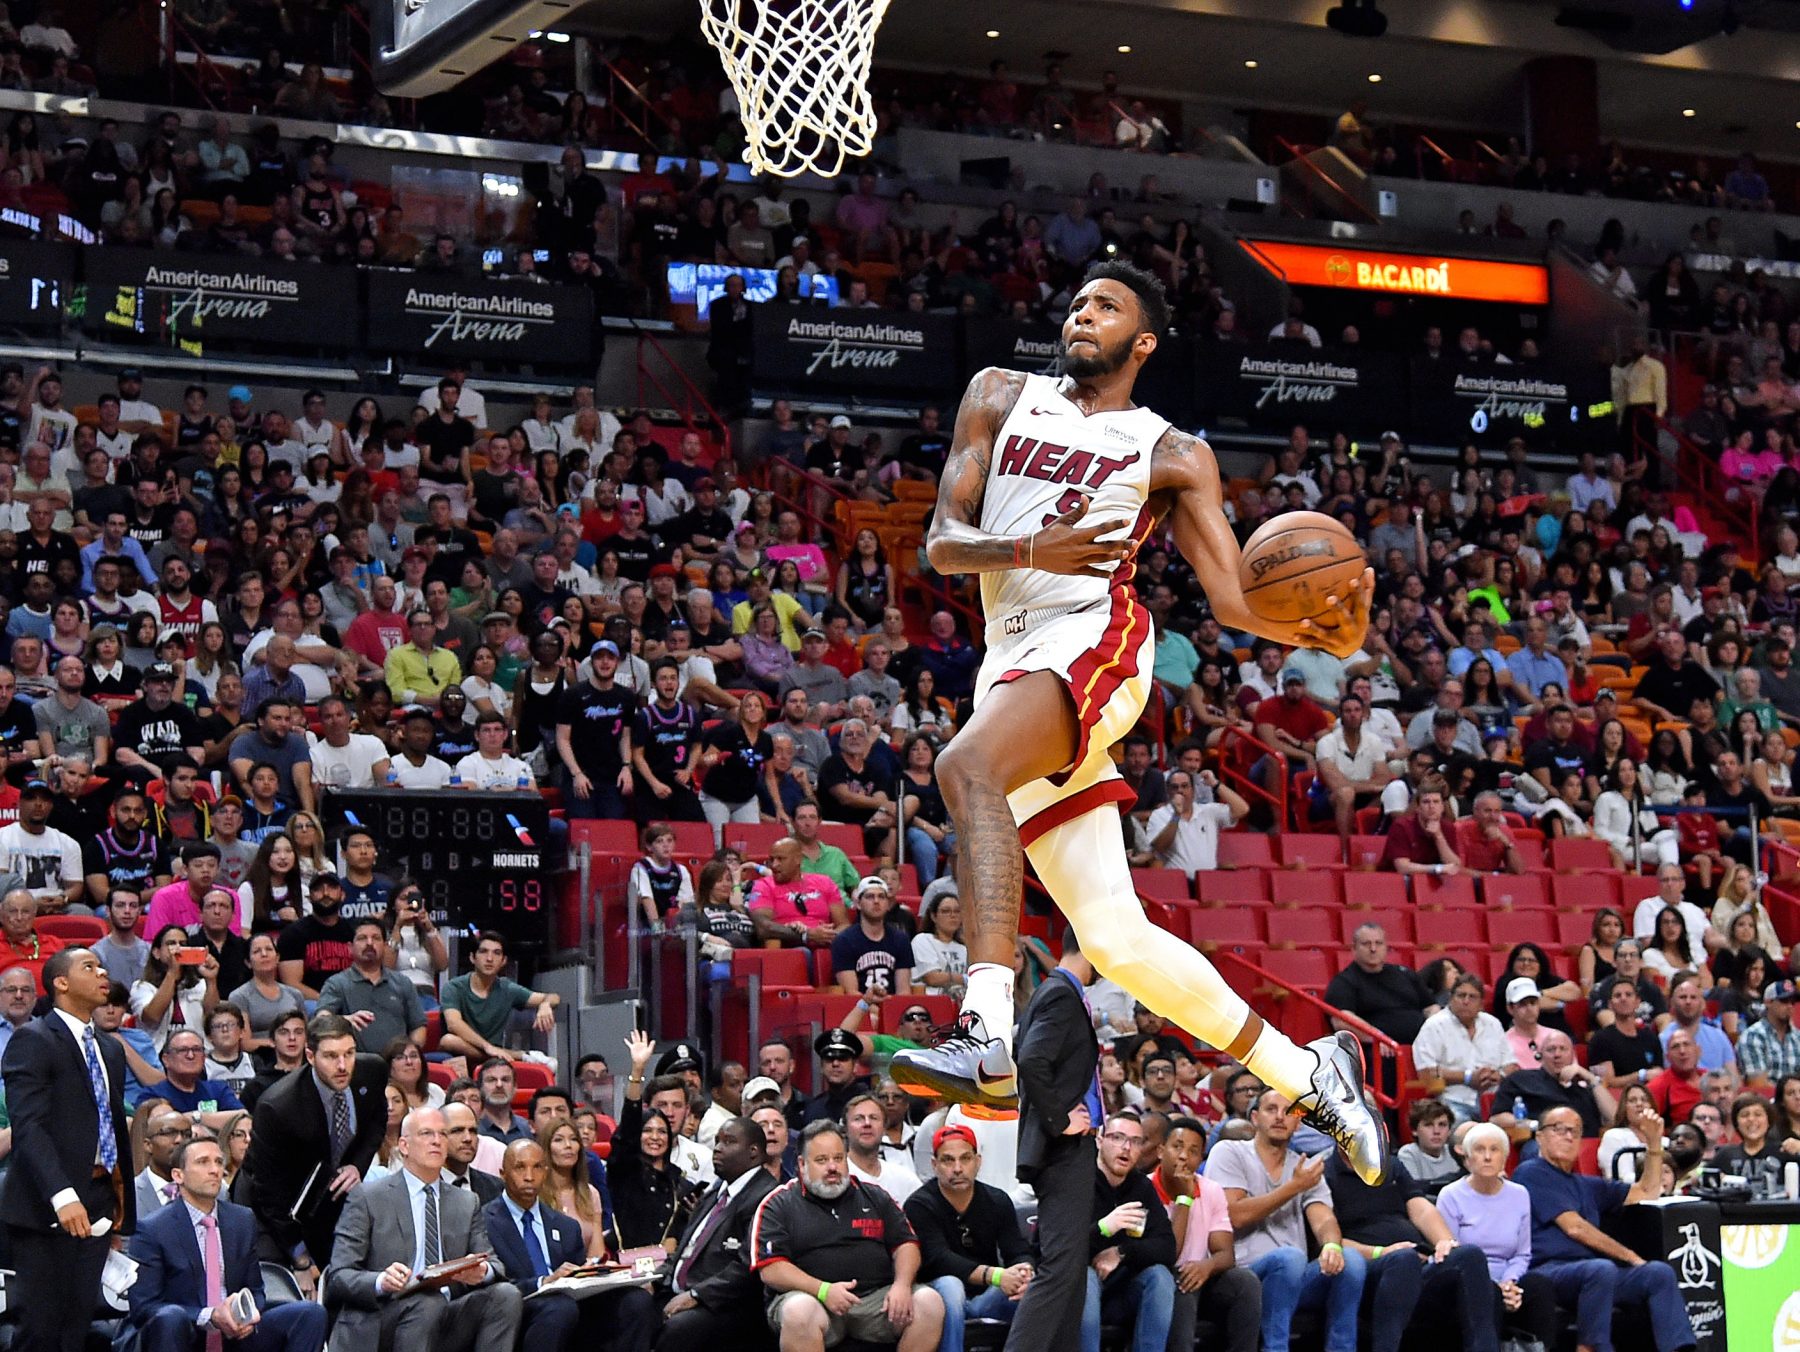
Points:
point(1293, 565)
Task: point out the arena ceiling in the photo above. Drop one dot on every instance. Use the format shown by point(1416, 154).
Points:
point(1455, 64)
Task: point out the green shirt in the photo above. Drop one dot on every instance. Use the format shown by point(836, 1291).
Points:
point(1766, 717)
point(488, 1017)
point(1175, 659)
point(835, 865)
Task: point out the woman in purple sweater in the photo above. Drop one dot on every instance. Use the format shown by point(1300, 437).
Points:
point(1494, 1215)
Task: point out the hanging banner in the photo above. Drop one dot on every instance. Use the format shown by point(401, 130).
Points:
point(189, 299)
point(1274, 388)
point(469, 317)
point(1490, 404)
point(798, 347)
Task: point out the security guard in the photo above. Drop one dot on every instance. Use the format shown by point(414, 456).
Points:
point(838, 1051)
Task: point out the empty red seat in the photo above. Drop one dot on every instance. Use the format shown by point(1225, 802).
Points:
point(1365, 852)
point(605, 836)
point(1398, 925)
point(1507, 928)
point(529, 1076)
point(1526, 890)
point(1573, 928)
point(1586, 892)
point(1306, 850)
point(1440, 891)
point(1311, 927)
point(1162, 884)
point(1231, 885)
point(753, 840)
point(76, 929)
point(1633, 888)
point(1375, 889)
point(846, 837)
point(1531, 852)
point(1306, 968)
point(1305, 887)
point(1580, 854)
point(1210, 928)
point(1448, 929)
point(1245, 849)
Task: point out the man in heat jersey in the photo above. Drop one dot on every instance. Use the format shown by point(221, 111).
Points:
point(1066, 675)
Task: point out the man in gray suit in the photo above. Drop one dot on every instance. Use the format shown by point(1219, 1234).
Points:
point(399, 1225)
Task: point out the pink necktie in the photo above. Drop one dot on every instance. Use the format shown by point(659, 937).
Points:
point(215, 1278)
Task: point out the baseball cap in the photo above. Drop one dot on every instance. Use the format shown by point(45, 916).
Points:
point(1291, 674)
point(325, 878)
point(834, 1042)
point(34, 786)
point(814, 632)
point(495, 617)
point(604, 645)
point(873, 880)
point(159, 671)
point(1390, 436)
point(239, 393)
point(756, 1088)
point(1779, 990)
point(956, 1131)
point(1521, 988)
point(840, 421)
point(665, 570)
point(229, 800)
point(131, 373)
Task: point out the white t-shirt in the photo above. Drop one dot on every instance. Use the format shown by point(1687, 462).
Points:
point(117, 446)
point(469, 404)
point(48, 861)
point(477, 771)
point(60, 421)
point(1371, 751)
point(579, 580)
point(895, 1179)
point(932, 954)
point(1196, 843)
point(1643, 922)
point(433, 774)
point(139, 410)
point(351, 766)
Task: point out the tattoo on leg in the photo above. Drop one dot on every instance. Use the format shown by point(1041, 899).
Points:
point(990, 873)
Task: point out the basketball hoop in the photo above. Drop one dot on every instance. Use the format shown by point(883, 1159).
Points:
point(800, 69)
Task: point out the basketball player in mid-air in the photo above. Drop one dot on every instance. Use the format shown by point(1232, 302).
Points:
point(1067, 671)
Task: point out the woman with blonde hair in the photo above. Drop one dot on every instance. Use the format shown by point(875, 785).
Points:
point(1738, 892)
point(566, 1186)
point(234, 1137)
point(309, 843)
point(1621, 1141)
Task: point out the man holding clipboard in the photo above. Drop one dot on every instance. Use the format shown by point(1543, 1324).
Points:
point(411, 1269)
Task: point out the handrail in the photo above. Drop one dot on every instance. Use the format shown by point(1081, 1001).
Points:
point(808, 517)
point(1490, 152)
point(693, 391)
point(1248, 787)
point(203, 63)
point(1443, 155)
point(617, 107)
point(1696, 470)
point(1302, 163)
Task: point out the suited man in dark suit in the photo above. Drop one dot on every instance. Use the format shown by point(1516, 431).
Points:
point(714, 1299)
point(548, 1246)
point(65, 1091)
point(1057, 1054)
point(328, 1118)
point(729, 343)
point(462, 1137)
point(170, 1307)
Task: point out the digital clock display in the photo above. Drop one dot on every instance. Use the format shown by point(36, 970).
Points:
point(480, 858)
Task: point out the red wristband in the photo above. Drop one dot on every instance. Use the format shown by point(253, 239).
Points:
point(1018, 546)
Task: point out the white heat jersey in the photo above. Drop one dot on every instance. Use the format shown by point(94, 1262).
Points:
point(1047, 455)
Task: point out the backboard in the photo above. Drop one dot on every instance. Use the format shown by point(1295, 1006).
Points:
point(422, 47)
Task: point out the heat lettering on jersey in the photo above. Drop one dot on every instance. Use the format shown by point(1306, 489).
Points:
point(1043, 460)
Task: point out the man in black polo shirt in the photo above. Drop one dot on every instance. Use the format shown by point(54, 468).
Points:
point(1550, 760)
point(1381, 993)
point(838, 1259)
point(1628, 1052)
point(973, 1253)
point(1557, 1082)
point(1673, 681)
point(593, 725)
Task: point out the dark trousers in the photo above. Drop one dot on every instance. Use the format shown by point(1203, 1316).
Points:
point(1595, 1287)
point(1454, 1293)
point(1536, 1315)
point(1049, 1317)
point(295, 1327)
point(703, 1330)
point(1231, 1301)
point(57, 1277)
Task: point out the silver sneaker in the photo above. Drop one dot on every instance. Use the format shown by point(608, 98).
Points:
point(966, 1067)
point(1336, 1106)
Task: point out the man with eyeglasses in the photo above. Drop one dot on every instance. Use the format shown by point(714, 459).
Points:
point(18, 993)
point(185, 1085)
point(1594, 1274)
point(169, 1130)
point(1131, 1249)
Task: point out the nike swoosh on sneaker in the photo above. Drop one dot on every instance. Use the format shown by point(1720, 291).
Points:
point(982, 1076)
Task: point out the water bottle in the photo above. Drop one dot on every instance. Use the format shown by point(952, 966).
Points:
point(393, 778)
point(455, 778)
point(1520, 1115)
point(524, 783)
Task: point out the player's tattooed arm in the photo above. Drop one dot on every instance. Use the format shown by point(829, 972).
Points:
point(1185, 476)
point(956, 544)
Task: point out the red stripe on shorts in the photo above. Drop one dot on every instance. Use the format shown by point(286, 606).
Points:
point(1095, 676)
point(1107, 791)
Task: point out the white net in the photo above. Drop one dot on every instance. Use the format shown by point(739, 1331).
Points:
point(800, 69)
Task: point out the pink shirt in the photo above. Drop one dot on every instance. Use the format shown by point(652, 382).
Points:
point(175, 905)
point(805, 901)
point(1209, 1213)
point(1523, 1051)
point(1750, 466)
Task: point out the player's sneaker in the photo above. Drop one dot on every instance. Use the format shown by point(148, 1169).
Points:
point(966, 1066)
point(1336, 1106)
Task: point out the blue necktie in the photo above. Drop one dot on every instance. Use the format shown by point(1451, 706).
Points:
point(109, 1147)
point(540, 1265)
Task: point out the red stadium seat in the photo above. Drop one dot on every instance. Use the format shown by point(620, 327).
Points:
point(754, 839)
point(1162, 884)
point(1245, 849)
point(1305, 850)
point(693, 839)
point(1507, 928)
point(1449, 929)
point(1530, 890)
point(1531, 852)
point(1374, 889)
point(605, 836)
point(1397, 924)
point(1306, 887)
point(1366, 851)
point(846, 838)
point(1588, 892)
point(77, 929)
point(434, 1029)
point(1633, 888)
point(1314, 927)
point(1225, 886)
point(1208, 929)
point(529, 1075)
point(1580, 854)
point(821, 965)
point(1573, 928)
point(1432, 891)
point(1306, 968)
point(1587, 1158)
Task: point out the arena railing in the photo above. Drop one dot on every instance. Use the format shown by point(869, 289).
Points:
point(692, 397)
point(1238, 748)
point(1698, 474)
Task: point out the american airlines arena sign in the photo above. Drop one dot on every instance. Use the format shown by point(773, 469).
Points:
point(238, 299)
point(798, 347)
point(517, 320)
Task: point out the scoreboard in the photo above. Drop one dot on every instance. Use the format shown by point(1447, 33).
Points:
point(480, 858)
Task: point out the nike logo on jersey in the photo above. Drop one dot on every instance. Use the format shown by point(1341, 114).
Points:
point(1043, 413)
point(1044, 460)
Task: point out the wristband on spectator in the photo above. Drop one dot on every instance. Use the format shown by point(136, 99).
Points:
point(1337, 1247)
point(824, 1293)
point(1105, 1230)
point(996, 1276)
point(1184, 1201)
point(1377, 1251)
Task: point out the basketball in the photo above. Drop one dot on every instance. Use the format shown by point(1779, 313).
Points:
point(1291, 564)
